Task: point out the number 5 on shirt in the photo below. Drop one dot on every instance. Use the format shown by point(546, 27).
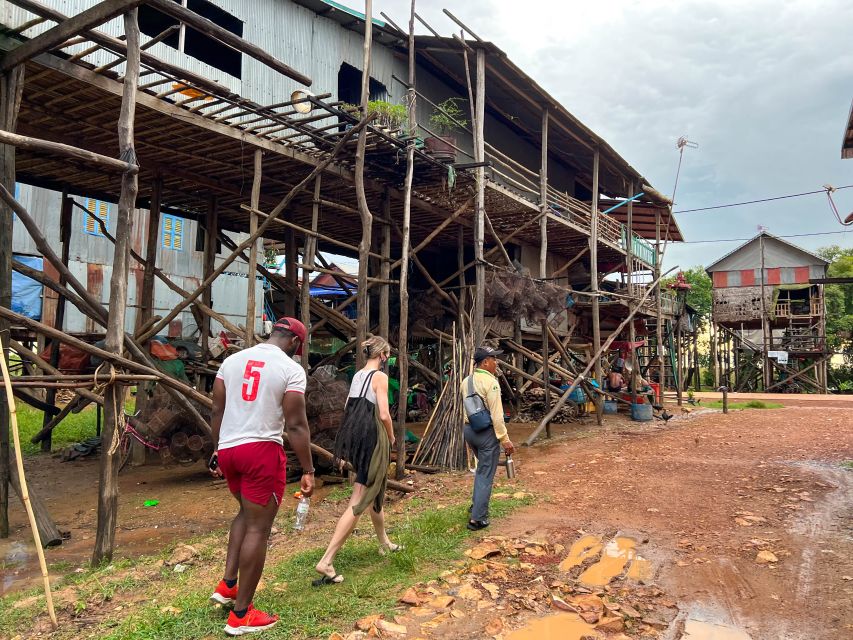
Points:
point(252, 378)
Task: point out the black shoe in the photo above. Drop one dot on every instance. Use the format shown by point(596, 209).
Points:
point(476, 525)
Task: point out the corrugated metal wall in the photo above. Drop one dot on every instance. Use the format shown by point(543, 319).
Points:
point(90, 260)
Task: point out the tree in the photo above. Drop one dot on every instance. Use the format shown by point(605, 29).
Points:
point(839, 300)
point(699, 296)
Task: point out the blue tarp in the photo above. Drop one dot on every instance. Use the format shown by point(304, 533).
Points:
point(330, 292)
point(26, 292)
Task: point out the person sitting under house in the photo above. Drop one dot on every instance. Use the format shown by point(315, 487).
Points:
point(615, 380)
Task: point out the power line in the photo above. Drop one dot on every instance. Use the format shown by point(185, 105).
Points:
point(738, 204)
point(793, 235)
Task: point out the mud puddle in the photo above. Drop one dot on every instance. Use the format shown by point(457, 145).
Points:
point(563, 626)
point(701, 630)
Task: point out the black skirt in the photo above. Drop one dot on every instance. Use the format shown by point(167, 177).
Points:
point(357, 437)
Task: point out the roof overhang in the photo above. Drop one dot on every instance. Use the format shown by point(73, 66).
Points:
point(644, 219)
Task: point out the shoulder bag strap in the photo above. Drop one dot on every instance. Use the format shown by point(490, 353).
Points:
point(366, 384)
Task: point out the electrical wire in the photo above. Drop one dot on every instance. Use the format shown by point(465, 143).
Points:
point(739, 204)
point(793, 235)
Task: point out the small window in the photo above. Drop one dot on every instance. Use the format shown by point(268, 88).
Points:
point(102, 210)
point(173, 232)
point(194, 43)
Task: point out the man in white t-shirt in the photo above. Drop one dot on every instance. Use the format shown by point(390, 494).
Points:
point(258, 392)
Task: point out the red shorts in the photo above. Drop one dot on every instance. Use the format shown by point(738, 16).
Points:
point(255, 470)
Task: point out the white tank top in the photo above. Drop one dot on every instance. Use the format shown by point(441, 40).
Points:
point(357, 384)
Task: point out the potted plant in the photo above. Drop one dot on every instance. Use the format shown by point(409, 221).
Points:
point(446, 120)
point(388, 116)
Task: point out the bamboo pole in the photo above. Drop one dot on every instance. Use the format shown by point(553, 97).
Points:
point(253, 250)
point(596, 356)
point(25, 494)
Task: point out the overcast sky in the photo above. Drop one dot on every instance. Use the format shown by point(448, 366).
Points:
point(764, 87)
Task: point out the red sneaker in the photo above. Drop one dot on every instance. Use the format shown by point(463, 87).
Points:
point(224, 594)
point(255, 620)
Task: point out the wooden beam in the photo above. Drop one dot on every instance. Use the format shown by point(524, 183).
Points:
point(208, 263)
point(100, 13)
point(543, 197)
point(251, 303)
point(208, 28)
point(66, 151)
point(114, 394)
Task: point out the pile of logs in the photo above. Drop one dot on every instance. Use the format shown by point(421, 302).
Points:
point(533, 408)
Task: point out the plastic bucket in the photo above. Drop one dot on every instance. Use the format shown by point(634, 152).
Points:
point(611, 406)
point(641, 412)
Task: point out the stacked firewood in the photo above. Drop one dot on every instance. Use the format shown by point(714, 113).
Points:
point(533, 408)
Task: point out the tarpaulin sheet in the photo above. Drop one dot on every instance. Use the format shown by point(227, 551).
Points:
point(26, 292)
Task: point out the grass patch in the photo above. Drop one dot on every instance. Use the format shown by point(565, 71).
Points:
point(752, 404)
point(847, 464)
point(432, 541)
point(339, 493)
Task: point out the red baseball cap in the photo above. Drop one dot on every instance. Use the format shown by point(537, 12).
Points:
point(296, 328)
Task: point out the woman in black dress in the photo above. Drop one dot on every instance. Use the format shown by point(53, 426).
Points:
point(364, 440)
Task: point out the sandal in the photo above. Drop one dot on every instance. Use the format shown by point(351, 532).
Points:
point(325, 580)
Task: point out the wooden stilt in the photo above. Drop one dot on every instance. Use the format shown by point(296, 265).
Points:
point(310, 250)
point(59, 318)
point(146, 300)
point(385, 269)
point(211, 230)
point(115, 393)
point(362, 300)
point(11, 90)
point(629, 272)
point(593, 280)
point(478, 319)
point(251, 303)
point(291, 270)
point(403, 341)
point(659, 305)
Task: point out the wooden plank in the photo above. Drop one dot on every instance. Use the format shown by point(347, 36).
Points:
point(102, 12)
point(208, 28)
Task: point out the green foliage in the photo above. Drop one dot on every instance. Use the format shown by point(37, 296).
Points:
point(839, 301)
point(699, 296)
point(387, 114)
point(752, 404)
point(444, 119)
point(74, 428)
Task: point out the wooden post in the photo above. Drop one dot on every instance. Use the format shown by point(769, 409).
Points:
point(403, 341)
point(593, 280)
point(766, 332)
point(251, 302)
point(11, 90)
point(713, 347)
point(291, 270)
point(59, 318)
point(115, 393)
point(146, 298)
point(362, 299)
point(543, 198)
point(629, 271)
point(479, 222)
point(659, 328)
point(679, 362)
point(385, 269)
point(211, 229)
point(546, 372)
point(310, 251)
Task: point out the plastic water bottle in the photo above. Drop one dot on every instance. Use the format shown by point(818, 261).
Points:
point(302, 513)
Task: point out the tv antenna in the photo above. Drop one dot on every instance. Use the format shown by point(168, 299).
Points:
point(681, 144)
point(829, 191)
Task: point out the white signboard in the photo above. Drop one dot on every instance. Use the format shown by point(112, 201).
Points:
point(780, 356)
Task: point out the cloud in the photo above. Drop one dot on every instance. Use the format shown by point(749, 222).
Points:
point(763, 87)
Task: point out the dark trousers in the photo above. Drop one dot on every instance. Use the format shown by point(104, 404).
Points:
point(487, 448)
